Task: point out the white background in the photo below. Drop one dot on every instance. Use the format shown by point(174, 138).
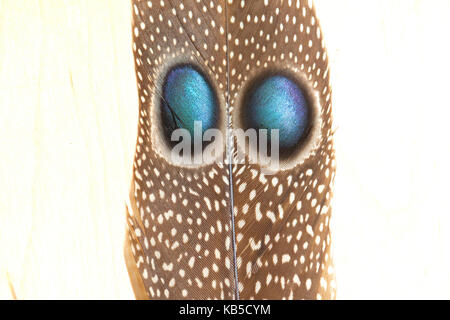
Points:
point(390, 72)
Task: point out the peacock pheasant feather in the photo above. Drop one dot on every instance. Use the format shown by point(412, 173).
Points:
point(229, 227)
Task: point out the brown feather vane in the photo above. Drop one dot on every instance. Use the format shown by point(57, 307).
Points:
point(244, 211)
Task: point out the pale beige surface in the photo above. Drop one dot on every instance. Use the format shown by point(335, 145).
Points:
point(390, 73)
point(68, 118)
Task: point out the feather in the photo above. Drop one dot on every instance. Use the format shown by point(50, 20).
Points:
point(231, 229)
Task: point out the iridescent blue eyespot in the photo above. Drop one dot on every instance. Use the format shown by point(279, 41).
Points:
point(187, 96)
point(277, 102)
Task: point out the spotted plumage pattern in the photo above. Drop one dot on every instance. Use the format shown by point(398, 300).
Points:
point(219, 230)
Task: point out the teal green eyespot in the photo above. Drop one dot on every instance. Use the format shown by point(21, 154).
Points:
point(278, 102)
point(187, 96)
